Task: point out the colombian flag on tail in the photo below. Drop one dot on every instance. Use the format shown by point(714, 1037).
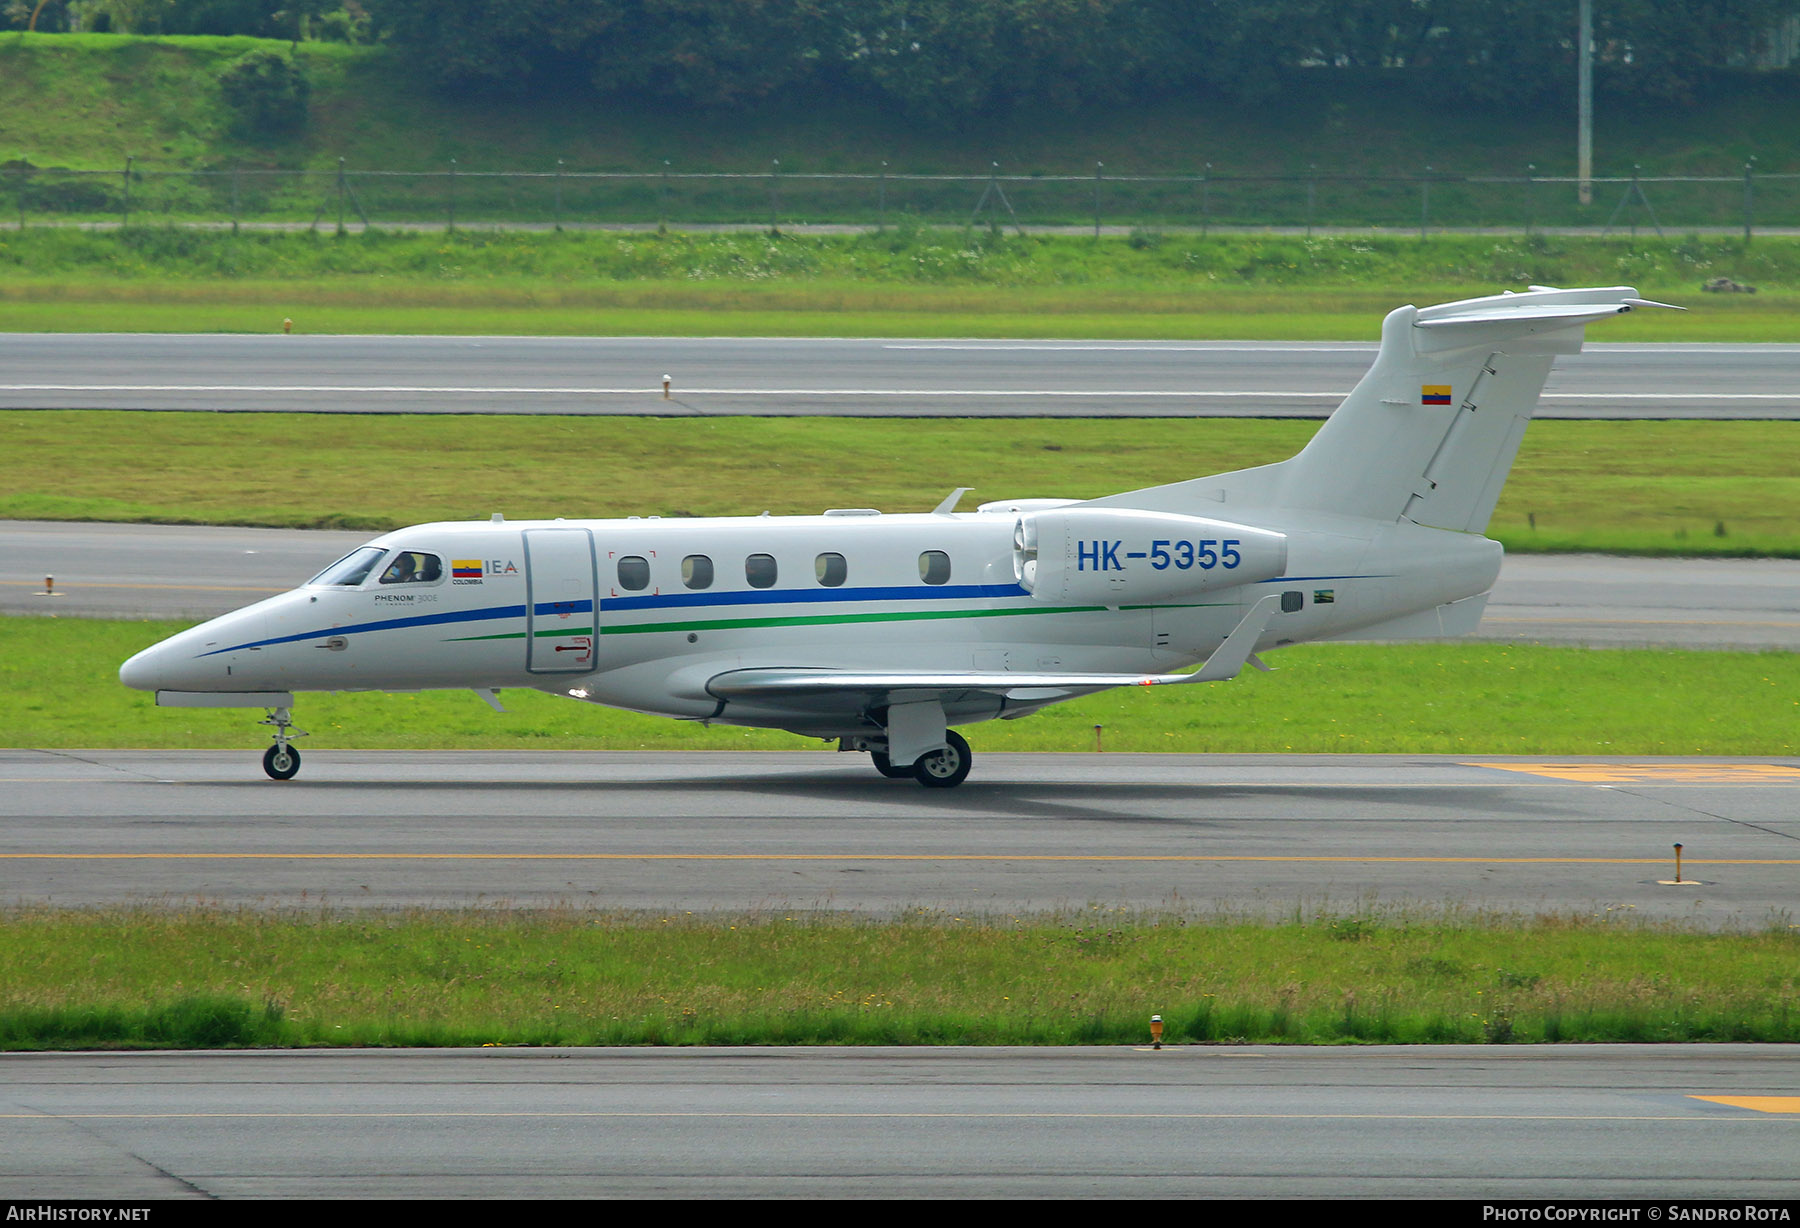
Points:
point(1434, 394)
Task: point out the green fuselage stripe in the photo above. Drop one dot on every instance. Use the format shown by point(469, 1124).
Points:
point(816, 620)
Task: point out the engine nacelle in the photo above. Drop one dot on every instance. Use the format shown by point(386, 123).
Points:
point(1116, 556)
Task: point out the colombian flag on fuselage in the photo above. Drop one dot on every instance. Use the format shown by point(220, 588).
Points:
point(465, 569)
point(1434, 394)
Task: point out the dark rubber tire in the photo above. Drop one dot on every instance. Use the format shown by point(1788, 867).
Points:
point(945, 769)
point(281, 762)
point(886, 767)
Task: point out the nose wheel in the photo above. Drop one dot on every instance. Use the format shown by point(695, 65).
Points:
point(281, 760)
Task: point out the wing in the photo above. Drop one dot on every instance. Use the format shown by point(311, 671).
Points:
point(791, 682)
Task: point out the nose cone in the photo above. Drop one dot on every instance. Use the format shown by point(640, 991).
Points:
point(144, 671)
point(203, 658)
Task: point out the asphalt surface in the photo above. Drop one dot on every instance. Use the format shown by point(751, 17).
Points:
point(1263, 835)
point(715, 831)
point(1673, 1124)
point(832, 376)
point(140, 571)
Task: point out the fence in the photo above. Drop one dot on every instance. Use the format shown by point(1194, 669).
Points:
point(1428, 200)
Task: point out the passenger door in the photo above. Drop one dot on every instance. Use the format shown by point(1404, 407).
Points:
point(561, 603)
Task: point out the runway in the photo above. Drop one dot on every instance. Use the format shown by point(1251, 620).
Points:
point(720, 832)
point(1674, 1123)
point(173, 571)
point(1253, 836)
point(842, 377)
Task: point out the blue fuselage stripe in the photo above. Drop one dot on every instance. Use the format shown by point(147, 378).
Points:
point(396, 624)
point(919, 592)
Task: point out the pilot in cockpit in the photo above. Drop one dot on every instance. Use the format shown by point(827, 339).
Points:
point(410, 566)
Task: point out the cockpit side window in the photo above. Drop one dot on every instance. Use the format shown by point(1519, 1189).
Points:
point(352, 569)
point(413, 567)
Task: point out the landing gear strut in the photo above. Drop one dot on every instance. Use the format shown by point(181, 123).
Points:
point(281, 760)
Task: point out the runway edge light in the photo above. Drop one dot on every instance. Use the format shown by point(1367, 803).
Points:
point(1678, 881)
point(1156, 1031)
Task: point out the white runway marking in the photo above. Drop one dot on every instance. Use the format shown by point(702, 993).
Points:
point(1199, 394)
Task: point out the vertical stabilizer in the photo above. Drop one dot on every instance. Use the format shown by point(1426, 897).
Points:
point(1430, 433)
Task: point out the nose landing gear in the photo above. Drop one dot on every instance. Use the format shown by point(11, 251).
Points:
point(281, 760)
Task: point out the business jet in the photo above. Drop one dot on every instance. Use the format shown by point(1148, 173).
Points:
point(883, 632)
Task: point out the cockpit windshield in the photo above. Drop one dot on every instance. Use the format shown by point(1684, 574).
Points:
point(352, 569)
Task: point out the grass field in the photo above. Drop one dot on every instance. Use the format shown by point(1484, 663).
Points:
point(59, 688)
point(904, 282)
point(207, 978)
point(1687, 488)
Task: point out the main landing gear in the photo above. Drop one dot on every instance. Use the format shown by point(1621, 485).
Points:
point(281, 760)
point(938, 769)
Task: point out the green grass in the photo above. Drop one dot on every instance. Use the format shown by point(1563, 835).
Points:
point(1696, 488)
point(904, 282)
point(59, 689)
point(207, 978)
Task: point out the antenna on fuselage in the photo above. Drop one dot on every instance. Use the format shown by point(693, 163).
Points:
point(950, 501)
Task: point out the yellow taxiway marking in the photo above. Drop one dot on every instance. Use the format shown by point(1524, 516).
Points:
point(800, 1115)
point(1658, 773)
point(1762, 1104)
point(1193, 858)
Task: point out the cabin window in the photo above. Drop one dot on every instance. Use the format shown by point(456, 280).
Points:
point(352, 569)
point(831, 569)
point(413, 567)
point(934, 567)
point(759, 570)
point(697, 571)
point(634, 573)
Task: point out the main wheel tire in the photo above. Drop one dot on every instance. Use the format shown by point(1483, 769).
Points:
point(281, 762)
point(947, 768)
point(886, 767)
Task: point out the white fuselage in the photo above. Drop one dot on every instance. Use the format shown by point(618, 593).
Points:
point(641, 613)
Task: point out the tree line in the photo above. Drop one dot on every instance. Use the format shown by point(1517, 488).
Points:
point(952, 60)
